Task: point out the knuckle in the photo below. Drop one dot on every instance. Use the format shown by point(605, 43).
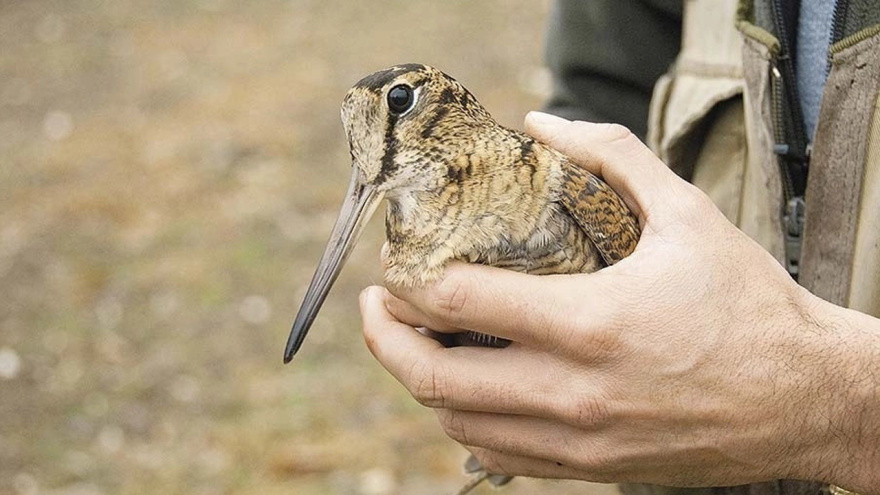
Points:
point(607, 132)
point(604, 344)
point(586, 411)
point(612, 132)
point(428, 386)
point(600, 341)
point(694, 205)
point(698, 203)
point(449, 298)
point(560, 337)
point(453, 426)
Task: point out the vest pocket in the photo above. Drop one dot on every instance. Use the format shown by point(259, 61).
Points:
point(682, 109)
point(697, 128)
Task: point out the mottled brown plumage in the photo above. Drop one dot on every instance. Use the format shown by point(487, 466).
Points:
point(461, 187)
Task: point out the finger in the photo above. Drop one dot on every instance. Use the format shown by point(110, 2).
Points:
point(612, 152)
point(513, 465)
point(524, 436)
point(413, 316)
point(543, 312)
point(466, 378)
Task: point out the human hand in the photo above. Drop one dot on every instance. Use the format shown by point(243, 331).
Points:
point(696, 361)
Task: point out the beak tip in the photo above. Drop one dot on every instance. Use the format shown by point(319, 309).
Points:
point(289, 352)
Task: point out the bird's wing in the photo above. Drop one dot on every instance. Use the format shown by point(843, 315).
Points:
point(598, 210)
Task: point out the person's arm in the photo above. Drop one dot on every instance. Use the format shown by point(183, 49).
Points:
point(696, 361)
point(606, 55)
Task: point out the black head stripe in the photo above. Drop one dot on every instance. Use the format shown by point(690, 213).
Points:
point(377, 80)
point(390, 149)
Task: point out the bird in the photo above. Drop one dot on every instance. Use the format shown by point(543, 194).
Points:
point(460, 186)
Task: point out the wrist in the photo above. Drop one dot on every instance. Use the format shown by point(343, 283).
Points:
point(841, 395)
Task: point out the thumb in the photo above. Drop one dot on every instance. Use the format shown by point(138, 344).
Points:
point(613, 153)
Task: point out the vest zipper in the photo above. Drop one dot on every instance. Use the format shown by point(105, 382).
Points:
point(838, 19)
point(838, 22)
point(791, 145)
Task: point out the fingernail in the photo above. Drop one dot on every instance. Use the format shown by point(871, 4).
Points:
point(540, 118)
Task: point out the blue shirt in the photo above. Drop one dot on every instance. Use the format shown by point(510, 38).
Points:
point(813, 42)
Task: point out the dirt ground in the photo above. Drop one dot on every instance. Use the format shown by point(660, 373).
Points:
point(169, 172)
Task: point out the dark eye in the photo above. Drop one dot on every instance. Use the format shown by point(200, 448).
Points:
point(400, 98)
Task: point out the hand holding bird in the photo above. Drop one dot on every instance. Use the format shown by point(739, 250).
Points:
point(681, 365)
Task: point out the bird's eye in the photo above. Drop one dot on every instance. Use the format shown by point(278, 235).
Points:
point(400, 98)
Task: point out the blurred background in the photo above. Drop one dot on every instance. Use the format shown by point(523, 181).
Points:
point(169, 173)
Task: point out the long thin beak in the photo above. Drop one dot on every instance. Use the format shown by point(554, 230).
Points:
point(361, 201)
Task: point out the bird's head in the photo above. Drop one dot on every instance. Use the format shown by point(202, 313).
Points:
point(404, 122)
point(403, 125)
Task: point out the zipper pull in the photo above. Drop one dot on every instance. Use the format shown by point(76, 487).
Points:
point(793, 228)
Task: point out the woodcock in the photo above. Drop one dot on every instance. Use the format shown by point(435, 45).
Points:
point(460, 186)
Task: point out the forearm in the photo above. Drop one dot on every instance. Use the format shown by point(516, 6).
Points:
point(848, 408)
